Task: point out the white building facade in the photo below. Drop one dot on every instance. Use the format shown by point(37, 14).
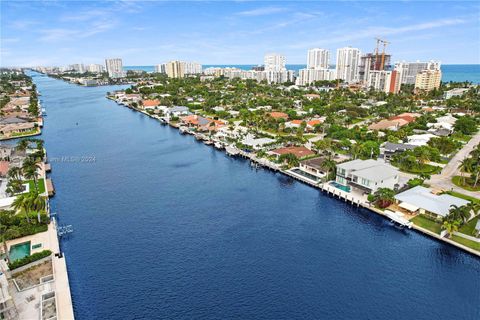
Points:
point(114, 68)
point(348, 61)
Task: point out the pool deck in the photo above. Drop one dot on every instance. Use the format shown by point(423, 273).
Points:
point(61, 286)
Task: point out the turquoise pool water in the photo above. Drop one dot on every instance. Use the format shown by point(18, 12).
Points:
point(19, 251)
point(339, 186)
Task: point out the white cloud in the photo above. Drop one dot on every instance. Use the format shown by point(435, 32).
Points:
point(261, 11)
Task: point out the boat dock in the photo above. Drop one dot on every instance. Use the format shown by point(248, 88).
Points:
point(50, 188)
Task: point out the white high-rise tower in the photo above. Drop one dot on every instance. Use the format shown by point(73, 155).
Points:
point(318, 58)
point(348, 61)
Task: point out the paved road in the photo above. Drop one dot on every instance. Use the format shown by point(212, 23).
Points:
point(444, 179)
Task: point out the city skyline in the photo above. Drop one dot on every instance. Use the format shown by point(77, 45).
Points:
point(149, 33)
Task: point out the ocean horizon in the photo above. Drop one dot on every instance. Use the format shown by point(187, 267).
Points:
point(450, 72)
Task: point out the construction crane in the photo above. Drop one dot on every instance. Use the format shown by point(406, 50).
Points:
point(381, 65)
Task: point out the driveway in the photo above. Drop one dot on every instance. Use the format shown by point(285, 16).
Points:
point(444, 179)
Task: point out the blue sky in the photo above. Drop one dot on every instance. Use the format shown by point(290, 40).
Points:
point(237, 32)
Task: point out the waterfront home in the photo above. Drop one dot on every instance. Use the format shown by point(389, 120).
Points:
point(12, 120)
point(12, 129)
point(278, 115)
point(367, 175)
point(421, 200)
point(178, 111)
point(150, 103)
point(299, 152)
point(389, 149)
point(256, 143)
point(420, 139)
point(314, 167)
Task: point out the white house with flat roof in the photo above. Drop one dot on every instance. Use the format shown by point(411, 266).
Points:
point(367, 175)
point(256, 143)
point(421, 200)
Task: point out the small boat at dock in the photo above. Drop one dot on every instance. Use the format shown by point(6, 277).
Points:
point(397, 217)
point(231, 150)
point(183, 130)
point(218, 145)
point(208, 142)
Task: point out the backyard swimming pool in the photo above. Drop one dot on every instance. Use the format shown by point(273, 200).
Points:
point(19, 251)
point(339, 186)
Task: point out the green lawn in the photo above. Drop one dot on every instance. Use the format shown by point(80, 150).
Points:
point(458, 181)
point(424, 222)
point(425, 168)
point(469, 243)
point(469, 227)
point(462, 196)
point(40, 183)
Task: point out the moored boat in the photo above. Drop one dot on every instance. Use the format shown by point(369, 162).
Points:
point(231, 150)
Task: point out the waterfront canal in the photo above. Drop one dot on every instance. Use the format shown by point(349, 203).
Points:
point(166, 227)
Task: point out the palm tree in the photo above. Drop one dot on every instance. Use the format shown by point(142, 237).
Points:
point(384, 197)
point(329, 165)
point(22, 204)
point(22, 145)
point(466, 165)
point(459, 213)
point(29, 169)
point(451, 226)
point(14, 173)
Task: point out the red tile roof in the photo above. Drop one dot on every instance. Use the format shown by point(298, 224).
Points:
point(150, 103)
point(299, 152)
point(4, 165)
point(278, 115)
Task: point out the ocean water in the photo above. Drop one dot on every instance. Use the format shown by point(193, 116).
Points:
point(450, 72)
point(168, 228)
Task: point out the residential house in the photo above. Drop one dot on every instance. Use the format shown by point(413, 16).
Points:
point(11, 129)
point(299, 152)
point(389, 149)
point(278, 115)
point(314, 167)
point(293, 124)
point(256, 143)
point(421, 200)
point(367, 175)
point(420, 139)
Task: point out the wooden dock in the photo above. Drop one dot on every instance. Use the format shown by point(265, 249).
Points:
point(50, 188)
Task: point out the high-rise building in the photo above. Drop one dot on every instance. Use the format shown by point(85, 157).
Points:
point(382, 80)
point(95, 68)
point(309, 76)
point(348, 61)
point(428, 80)
point(192, 67)
point(275, 70)
point(409, 70)
point(372, 61)
point(161, 68)
point(318, 58)
point(274, 62)
point(114, 68)
point(175, 69)
point(78, 68)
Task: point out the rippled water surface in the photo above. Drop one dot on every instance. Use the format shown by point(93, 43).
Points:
point(166, 227)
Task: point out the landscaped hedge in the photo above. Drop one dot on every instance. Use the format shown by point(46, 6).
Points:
point(29, 259)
